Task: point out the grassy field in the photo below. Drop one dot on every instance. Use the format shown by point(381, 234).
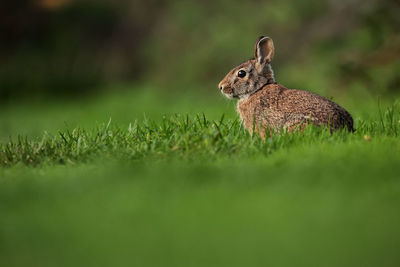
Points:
point(114, 181)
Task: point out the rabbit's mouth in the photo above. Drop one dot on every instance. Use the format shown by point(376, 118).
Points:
point(230, 96)
point(228, 92)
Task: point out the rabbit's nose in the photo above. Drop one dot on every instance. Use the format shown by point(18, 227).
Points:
point(220, 86)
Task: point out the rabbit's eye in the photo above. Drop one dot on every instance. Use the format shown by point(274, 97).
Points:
point(241, 73)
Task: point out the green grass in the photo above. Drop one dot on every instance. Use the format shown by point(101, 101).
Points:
point(33, 118)
point(194, 190)
point(179, 137)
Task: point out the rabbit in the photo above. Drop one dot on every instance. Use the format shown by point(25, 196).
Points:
point(264, 104)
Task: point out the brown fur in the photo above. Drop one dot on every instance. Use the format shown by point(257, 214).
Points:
point(264, 104)
point(277, 107)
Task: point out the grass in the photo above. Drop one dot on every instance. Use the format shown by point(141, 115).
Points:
point(178, 136)
point(196, 190)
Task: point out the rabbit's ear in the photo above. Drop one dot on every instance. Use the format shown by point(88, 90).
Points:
point(264, 50)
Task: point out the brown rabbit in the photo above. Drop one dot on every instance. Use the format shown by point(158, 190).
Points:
point(263, 103)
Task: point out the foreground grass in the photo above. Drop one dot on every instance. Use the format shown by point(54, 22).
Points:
point(32, 118)
point(180, 136)
point(191, 191)
point(331, 204)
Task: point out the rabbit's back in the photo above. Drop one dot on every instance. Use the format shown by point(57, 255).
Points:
point(277, 107)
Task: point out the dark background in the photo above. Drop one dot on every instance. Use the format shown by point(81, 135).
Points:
point(66, 48)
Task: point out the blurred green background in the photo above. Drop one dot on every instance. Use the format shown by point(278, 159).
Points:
point(320, 200)
point(67, 48)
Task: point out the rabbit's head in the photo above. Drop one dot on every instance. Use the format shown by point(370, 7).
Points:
point(251, 75)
